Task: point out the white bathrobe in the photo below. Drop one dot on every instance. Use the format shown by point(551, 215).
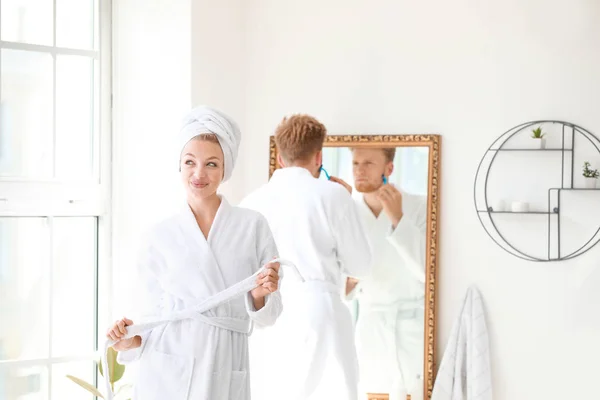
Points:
point(390, 324)
point(465, 372)
point(192, 359)
point(316, 225)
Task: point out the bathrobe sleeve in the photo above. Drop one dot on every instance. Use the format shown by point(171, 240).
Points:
point(150, 296)
point(267, 250)
point(409, 239)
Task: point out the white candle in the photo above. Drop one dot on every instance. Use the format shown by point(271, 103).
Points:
point(520, 206)
point(499, 205)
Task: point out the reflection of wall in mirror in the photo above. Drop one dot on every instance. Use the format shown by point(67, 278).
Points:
point(411, 166)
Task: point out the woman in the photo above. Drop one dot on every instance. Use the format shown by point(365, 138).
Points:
point(192, 256)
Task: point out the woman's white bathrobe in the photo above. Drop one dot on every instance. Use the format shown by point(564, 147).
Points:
point(201, 359)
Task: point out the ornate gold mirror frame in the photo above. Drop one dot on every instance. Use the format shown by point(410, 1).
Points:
point(433, 142)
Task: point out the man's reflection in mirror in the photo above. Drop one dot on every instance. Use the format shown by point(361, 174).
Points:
point(390, 323)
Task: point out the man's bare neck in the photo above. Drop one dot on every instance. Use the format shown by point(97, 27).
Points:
point(300, 165)
point(373, 203)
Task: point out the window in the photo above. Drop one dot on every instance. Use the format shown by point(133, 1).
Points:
point(54, 193)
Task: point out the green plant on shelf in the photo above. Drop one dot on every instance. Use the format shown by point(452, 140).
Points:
point(588, 172)
point(537, 133)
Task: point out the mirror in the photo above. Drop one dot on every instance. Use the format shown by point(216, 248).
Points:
point(394, 180)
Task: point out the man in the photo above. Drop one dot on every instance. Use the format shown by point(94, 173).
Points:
point(315, 223)
point(389, 328)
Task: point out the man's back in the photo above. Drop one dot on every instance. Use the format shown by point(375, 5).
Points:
point(315, 224)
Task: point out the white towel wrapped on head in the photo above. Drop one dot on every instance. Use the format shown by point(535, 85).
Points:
point(203, 120)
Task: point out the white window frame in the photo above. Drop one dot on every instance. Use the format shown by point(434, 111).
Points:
point(49, 198)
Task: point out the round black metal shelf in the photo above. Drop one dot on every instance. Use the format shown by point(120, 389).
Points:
point(490, 218)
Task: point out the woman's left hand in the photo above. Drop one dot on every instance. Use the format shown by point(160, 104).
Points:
point(267, 281)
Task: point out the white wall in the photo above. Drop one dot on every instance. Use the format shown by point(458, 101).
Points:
point(152, 91)
point(468, 70)
point(218, 73)
point(465, 69)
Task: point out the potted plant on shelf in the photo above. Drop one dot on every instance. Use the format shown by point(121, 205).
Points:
point(538, 135)
point(116, 372)
point(591, 176)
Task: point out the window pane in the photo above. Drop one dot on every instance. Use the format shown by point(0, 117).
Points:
point(75, 23)
point(23, 383)
point(73, 280)
point(26, 104)
point(24, 254)
point(75, 89)
point(27, 21)
point(64, 388)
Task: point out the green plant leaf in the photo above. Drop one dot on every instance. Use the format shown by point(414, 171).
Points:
point(537, 133)
point(116, 370)
point(87, 386)
point(588, 172)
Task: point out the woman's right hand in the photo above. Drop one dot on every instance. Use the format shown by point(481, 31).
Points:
point(118, 330)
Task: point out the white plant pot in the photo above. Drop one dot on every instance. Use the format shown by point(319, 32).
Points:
point(539, 143)
point(591, 183)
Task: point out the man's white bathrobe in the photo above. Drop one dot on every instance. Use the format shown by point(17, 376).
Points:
point(316, 225)
point(196, 359)
point(390, 324)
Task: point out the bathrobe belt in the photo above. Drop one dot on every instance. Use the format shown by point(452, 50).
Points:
point(197, 313)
